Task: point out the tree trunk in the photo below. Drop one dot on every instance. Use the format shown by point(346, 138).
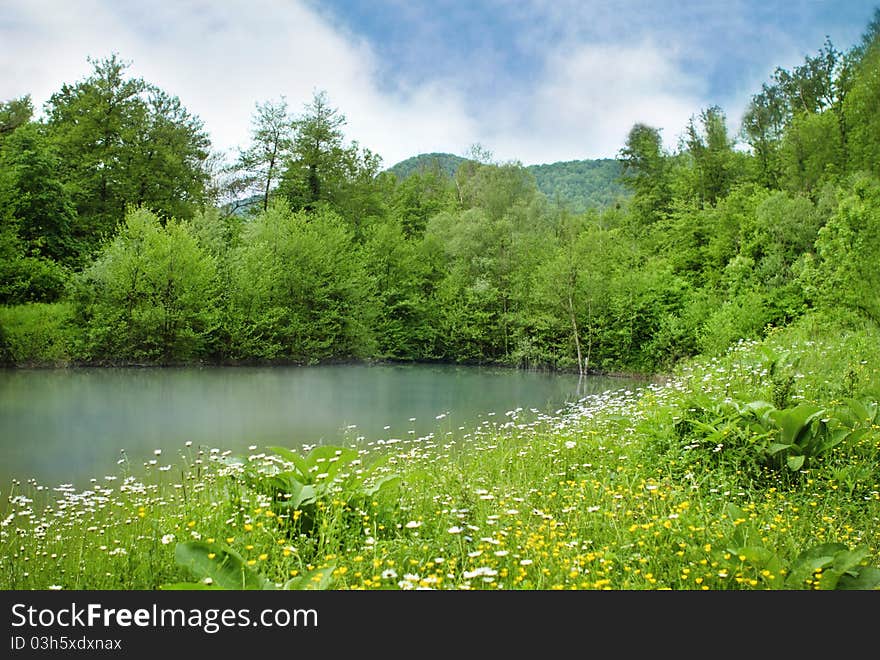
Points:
point(577, 341)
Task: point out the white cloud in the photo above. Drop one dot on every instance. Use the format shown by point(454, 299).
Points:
point(590, 97)
point(223, 58)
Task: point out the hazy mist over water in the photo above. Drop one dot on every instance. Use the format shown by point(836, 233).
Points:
point(67, 426)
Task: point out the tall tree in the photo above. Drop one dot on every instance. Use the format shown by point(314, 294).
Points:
point(32, 193)
point(123, 141)
point(862, 106)
point(821, 85)
point(646, 173)
point(763, 125)
point(316, 165)
point(711, 150)
point(324, 171)
point(271, 144)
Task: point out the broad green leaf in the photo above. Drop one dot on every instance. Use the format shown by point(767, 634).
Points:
point(794, 423)
point(805, 568)
point(828, 580)
point(755, 555)
point(859, 410)
point(868, 578)
point(222, 564)
point(314, 580)
point(299, 496)
point(847, 560)
point(795, 462)
point(292, 457)
point(384, 485)
point(825, 550)
point(851, 436)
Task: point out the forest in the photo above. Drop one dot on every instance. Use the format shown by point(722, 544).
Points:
point(124, 239)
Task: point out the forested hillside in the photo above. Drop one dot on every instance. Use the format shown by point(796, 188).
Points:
point(578, 185)
point(117, 244)
point(445, 163)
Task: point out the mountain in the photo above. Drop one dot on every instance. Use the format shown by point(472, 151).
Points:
point(446, 163)
point(581, 184)
point(578, 184)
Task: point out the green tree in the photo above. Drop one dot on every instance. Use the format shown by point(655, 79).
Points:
point(271, 142)
point(35, 219)
point(817, 130)
point(811, 153)
point(24, 277)
point(844, 272)
point(404, 275)
point(316, 166)
point(421, 195)
point(646, 174)
point(763, 126)
point(122, 141)
point(14, 113)
point(491, 248)
point(323, 171)
point(150, 295)
point(298, 290)
point(711, 151)
point(573, 286)
point(862, 110)
point(32, 193)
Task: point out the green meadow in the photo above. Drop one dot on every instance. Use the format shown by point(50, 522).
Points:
point(751, 470)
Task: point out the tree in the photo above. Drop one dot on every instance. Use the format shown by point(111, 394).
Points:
point(33, 194)
point(150, 294)
point(763, 126)
point(421, 195)
point(316, 166)
point(15, 113)
point(298, 289)
point(168, 160)
point(574, 283)
point(325, 172)
point(862, 109)
point(646, 173)
point(122, 141)
point(404, 281)
point(818, 86)
point(844, 272)
point(36, 218)
point(271, 144)
point(711, 150)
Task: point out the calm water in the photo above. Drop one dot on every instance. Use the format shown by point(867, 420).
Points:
point(69, 425)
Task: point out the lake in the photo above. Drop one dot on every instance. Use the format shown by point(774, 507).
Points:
point(67, 426)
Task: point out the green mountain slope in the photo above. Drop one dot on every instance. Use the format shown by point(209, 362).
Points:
point(577, 184)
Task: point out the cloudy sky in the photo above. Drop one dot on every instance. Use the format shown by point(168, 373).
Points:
point(531, 80)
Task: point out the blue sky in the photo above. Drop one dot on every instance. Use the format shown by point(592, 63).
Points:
point(531, 80)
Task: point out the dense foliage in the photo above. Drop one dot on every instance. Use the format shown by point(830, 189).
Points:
point(115, 220)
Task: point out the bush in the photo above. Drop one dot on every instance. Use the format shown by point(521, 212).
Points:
point(37, 334)
point(743, 317)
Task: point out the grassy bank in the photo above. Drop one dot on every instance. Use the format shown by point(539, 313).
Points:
point(753, 469)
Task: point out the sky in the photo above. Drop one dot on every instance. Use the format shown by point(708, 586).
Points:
point(534, 81)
